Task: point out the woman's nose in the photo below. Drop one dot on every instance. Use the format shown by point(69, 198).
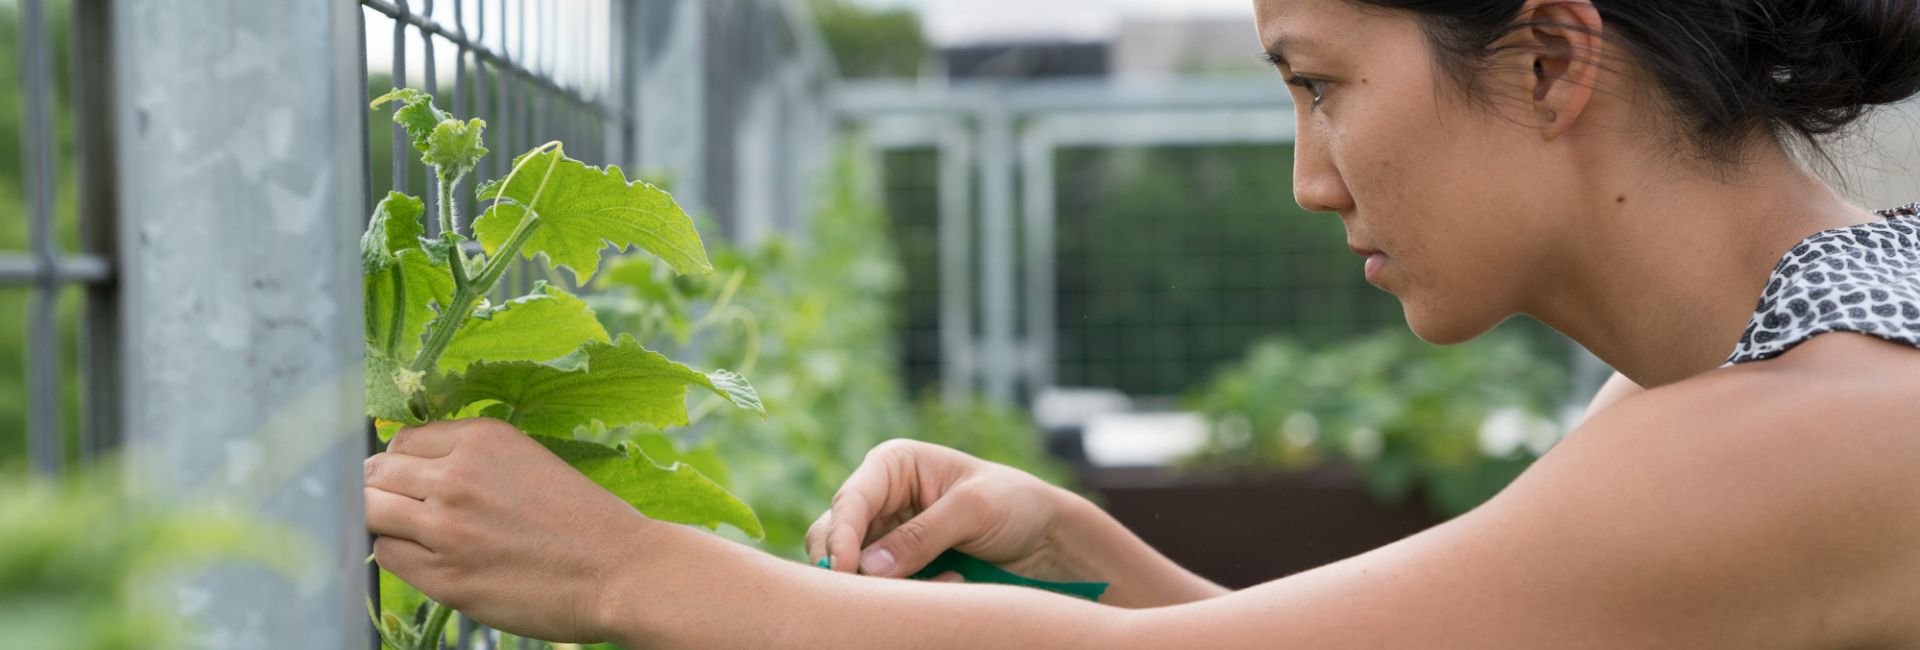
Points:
point(1317, 185)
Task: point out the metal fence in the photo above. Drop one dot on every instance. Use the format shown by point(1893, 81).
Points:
point(192, 180)
point(50, 267)
point(721, 101)
point(1017, 223)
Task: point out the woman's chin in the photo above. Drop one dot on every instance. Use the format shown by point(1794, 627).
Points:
point(1444, 327)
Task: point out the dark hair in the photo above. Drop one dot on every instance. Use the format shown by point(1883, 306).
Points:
point(1732, 69)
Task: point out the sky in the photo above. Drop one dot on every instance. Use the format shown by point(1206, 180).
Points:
point(960, 21)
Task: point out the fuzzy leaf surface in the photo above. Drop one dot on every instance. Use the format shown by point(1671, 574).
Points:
point(455, 146)
point(617, 384)
point(416, 114)
point(428, 285)
point(677, 493)
point(385, 401)
point(547, 324)
point(395, 227)
point(582, 210)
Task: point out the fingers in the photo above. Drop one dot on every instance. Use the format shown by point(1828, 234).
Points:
point(390, 514)
point(402, 557)
point(913, 544)
point(865, 497)
point(409, 476)
point(431, 440)
point(817, 537)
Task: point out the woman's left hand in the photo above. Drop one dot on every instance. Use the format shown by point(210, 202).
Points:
point(485, 520)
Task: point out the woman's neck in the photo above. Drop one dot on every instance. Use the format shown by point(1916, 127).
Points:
point(1668, 268)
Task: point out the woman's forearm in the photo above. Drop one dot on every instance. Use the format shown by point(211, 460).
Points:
point(740, 597)
point(1090, 543)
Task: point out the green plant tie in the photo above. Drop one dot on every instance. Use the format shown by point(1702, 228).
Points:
point(976, 570)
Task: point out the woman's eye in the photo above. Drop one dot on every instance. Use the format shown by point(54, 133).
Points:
point(1313, 87)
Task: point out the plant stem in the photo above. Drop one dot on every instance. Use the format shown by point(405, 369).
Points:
point(445, 188)
point(435, 629)
point(397, 321)
point(455, 314)
point(450, 231)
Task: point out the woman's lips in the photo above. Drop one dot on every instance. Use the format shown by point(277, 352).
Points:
point(1376, 260)
point(1375, 263)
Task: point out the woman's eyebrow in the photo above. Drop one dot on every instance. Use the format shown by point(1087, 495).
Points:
point(1277, 47)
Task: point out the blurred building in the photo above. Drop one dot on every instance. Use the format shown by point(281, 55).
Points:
point(1185, 47)
point(1025, 60)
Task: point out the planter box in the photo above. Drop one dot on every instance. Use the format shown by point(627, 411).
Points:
point(1242, 530)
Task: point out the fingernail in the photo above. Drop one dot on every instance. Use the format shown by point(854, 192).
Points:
point(876, 562)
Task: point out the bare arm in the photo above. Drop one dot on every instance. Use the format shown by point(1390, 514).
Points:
point(1648, 528)
point(1617, 389)
point(1095, 545)
point(1699, 515)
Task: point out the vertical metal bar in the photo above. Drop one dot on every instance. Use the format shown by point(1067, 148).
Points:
point(997, 244)
point(272, 330)
point(503, 108)
point(626, 30)
point(521, 132)
point(43, 407)
point(479, 88)
point(957, 361)
point(1037, 151)
point(432, 83)
point(460, 59)
point(462, 200)
point(92, 59)
point(400, 142)
point(371, 436)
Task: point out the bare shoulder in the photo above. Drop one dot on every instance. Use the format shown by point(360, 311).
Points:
point(1762, 506)
point(1776, 498)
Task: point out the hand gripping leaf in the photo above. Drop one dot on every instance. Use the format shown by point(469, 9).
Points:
point(437, 350)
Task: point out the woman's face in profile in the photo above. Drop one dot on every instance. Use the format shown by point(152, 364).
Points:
point(1451, 190)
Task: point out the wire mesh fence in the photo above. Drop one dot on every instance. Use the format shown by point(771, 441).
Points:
point(661, 87)
point(56, 259)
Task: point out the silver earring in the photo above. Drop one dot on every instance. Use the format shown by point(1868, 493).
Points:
point(1553, 116)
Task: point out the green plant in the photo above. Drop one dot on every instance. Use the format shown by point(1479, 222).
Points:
point(816, 317)
point(437, 349)
point(1457, 423)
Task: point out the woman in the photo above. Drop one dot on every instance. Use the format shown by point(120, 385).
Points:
point(1622, 170)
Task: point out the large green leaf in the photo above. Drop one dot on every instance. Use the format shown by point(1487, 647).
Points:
point(581, 210)
point(428, 285)
point(392, 253)
point(662, 448)
point(547, 324)
point(617, 384)
point(677, 493)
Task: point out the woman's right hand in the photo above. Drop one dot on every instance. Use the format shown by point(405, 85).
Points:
point(909, 501)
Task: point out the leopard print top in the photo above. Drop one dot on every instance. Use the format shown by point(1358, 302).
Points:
point(1863, 279)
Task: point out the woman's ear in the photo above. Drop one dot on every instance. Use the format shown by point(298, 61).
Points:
point(1563, 45)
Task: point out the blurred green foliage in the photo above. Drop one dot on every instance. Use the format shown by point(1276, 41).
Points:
point(811, 321)
point(83, 560)
point(869, 42)
point(1452, 424)
point(1173, 260)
